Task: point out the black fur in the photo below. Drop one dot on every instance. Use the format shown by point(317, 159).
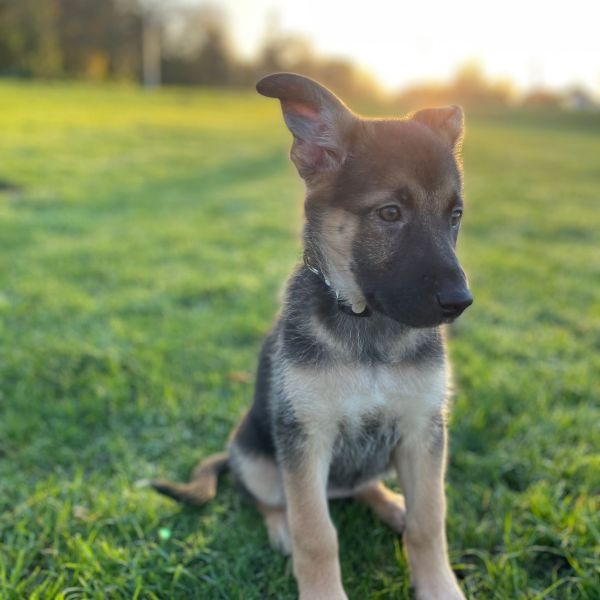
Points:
point(254, 432)
point(368, 339)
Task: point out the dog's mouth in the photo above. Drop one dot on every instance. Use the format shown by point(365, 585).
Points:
point(449, 316)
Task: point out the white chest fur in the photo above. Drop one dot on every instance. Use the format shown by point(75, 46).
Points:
point(322, 398)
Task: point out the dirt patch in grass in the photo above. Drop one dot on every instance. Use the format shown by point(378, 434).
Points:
point(9, 186)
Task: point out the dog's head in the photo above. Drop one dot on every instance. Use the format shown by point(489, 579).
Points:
point(384, 201)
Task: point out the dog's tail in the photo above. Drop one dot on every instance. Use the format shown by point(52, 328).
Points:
point(203, 485)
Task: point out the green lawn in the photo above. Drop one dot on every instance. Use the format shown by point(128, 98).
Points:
point(144, 240)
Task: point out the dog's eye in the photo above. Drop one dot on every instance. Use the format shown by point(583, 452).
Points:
point(455, 218)
point(389, 213)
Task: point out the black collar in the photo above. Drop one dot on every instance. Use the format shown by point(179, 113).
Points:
point(342, 306)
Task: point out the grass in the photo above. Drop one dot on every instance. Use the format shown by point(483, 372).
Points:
point(144, 238)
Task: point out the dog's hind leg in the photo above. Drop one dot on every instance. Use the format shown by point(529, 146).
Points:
point(387, 505)
point(277, 527)
point(261, 478)
point(202, 487)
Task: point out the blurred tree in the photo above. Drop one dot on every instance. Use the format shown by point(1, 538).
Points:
point(542, 98)
point(101, 38)
point(282, 51)
point(197, 48)
point(191, 45)
point(578, 98)
point(29, 42)
point(469, 87)
point(52, 38)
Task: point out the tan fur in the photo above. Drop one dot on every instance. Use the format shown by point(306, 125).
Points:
point(261, 477)
point(338, 231)
point(203, 485)
point(421, 473)
point(315, 546)
point(321, 399)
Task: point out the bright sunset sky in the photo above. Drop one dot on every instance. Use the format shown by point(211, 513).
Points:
point(531, 42)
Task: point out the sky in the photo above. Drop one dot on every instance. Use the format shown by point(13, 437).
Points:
point(530, 42)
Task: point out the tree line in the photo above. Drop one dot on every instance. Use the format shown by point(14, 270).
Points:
point(111, 40)
point(163, 41)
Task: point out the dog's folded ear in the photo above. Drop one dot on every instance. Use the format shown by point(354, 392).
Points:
point(446, 122)
point(320, 122)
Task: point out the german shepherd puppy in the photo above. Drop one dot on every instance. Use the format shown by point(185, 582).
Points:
point(352, 379)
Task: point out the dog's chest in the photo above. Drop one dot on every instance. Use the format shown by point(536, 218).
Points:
point(348, 394)
point(363, 412)
point(362, 451)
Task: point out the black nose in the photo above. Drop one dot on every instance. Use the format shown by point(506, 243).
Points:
point(454, 302)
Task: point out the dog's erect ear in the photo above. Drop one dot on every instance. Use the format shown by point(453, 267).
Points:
point(319, 121)
point(447, 123)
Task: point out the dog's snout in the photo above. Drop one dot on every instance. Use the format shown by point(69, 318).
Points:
point(454, 301)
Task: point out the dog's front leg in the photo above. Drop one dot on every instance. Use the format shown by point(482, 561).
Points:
point(420, 462)
point(314, 538)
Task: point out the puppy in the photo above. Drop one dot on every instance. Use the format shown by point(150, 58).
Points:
point(352, 379)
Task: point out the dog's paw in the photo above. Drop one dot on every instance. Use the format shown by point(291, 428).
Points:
point(386, 504)
point(326, 594)
point(394, 512)
point(449, 595)
point(446, 591)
